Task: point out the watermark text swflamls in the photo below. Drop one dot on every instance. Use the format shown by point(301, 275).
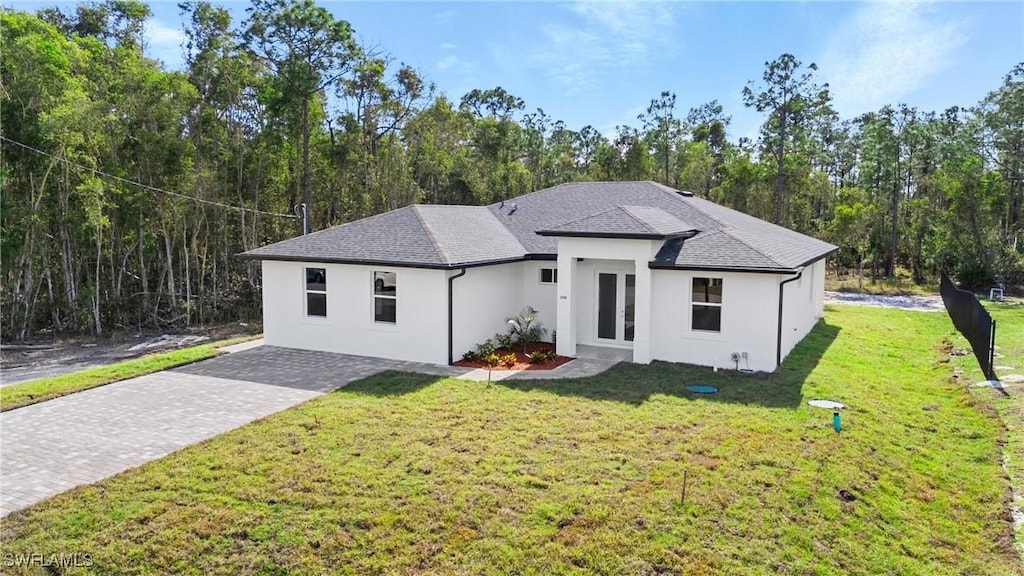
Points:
point(58, 560)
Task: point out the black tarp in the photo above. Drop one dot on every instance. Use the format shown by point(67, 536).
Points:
point(972, 320)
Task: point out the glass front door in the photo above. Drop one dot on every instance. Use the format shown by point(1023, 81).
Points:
point(616, 307)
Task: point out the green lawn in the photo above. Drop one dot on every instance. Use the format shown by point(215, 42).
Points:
point(411, 474)
point(33, 391)
point(1010, 405)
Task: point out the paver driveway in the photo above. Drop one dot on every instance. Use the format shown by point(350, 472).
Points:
point(52, 446)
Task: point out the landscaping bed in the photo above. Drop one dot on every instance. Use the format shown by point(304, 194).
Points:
point(523, 361)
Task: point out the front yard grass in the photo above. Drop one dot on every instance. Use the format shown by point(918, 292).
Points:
point(412, 474)
point(39, 390)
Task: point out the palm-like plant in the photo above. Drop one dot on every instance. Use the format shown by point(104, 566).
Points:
point(526, 328)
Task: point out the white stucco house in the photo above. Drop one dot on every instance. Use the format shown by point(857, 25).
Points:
point(635, 266)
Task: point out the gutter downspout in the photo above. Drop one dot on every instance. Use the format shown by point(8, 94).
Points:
point(778, 341)
point(451, 280)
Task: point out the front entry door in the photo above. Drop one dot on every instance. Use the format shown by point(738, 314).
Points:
point(616, 307)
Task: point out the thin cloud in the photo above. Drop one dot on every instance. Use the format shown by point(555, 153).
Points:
point(447, 62)
point(163, 42)
point(628, 118)
point(887, 51)
point(448, 46)
point(606, 36)
point(445, 17)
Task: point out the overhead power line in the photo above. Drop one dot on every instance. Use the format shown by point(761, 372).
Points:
point(141, 185)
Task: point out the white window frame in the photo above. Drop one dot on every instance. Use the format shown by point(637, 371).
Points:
point(554, 276)
point(376, 296)
point(694, 303)
point(307, 291)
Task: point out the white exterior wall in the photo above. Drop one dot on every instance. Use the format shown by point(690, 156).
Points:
point(543, 297)
point(486, 296)
point(749, 320)
point(575, 282)
point(420, 333)
point(803, 305)
point(819, 288)
point(483, 300)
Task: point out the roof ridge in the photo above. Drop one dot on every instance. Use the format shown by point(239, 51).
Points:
point(515, 198)
point(438, 248)
point(589, 216)
point(486, 210)
point(636, 218)
point(673, 193)
point(728, 231)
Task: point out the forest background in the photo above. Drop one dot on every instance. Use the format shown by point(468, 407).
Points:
point(127, 189)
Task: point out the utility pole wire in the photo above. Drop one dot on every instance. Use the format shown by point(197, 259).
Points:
point(144, 186)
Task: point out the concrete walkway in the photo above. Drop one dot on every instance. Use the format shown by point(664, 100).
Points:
point(81, 438)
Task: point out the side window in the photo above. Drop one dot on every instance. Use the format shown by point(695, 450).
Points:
point(549, 275)
point(385, 297)
point(316, 292)
point(706, 303)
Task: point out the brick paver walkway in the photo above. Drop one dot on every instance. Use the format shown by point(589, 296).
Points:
point(53, 446)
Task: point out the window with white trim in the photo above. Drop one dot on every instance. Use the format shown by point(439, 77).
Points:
point(316, 292)
point(385, 297)
point(549, 275)
point(706, 304)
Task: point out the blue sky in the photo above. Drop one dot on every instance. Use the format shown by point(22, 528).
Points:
point(600, 63)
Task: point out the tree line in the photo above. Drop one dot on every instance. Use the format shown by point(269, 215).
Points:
point(126, 189)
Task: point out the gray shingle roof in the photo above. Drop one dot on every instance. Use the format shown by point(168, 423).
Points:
point(624, 222)
point(468, 234)
point(717, 249)
point(419, 235)
point(450, 236)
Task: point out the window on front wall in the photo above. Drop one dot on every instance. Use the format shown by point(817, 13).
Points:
point(549, 275)
point(316, 292)
point(707, 304)
point(385, 297)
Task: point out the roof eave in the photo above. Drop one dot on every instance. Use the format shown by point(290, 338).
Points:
point(392, 263)
point(743, 269)
point(816, 258)
point(614, 235)
point(746, 269)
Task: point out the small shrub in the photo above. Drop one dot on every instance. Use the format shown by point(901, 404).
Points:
point(470, 356)
point(504, 340)
point(509, 360)
point(484, 349)
point(525, 327)
point(538, 356)
point(492, 360)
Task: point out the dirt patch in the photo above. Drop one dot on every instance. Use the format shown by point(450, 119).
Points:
point(522, 358)
point(916, 303)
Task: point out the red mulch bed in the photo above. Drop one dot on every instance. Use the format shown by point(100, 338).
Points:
point(522, 360)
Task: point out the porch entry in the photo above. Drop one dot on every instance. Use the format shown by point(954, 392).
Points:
point(616, 308)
